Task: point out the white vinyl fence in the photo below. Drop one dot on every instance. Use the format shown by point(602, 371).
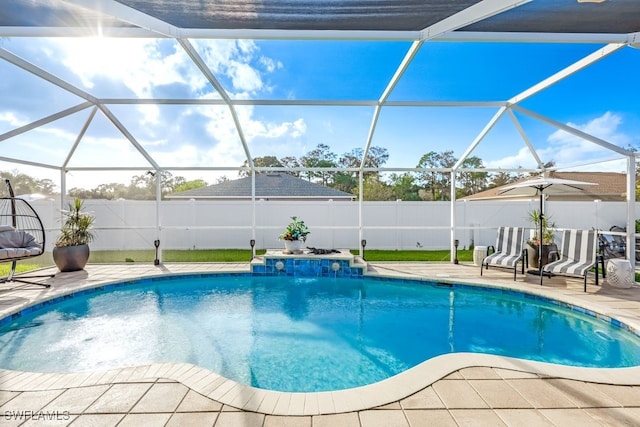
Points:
point(126, 224)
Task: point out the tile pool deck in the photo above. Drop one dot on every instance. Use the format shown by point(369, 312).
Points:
point(456, 389)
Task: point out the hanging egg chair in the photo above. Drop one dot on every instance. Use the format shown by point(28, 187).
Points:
point(22, 235)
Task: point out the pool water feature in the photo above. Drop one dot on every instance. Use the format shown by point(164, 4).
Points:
point(276, 263)
point(303, 334)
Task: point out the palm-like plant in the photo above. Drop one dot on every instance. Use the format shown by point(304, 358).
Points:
point(547, 229)
point(76, 229)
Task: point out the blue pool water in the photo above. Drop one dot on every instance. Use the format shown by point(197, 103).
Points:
point(302, 334)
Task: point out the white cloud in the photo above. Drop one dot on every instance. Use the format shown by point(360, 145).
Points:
point(244, 77)
point(605, 127)
point(299, 128)
point(185, 154)
point(150, 142)
point(145, 68)
point(566, 149)
point(274, 131)
point(140, 64)
point(10, 118)
point(523, 158)
point(150, 114)
point(232, 60)
point(105, 152)
point(247, 47)
point(269, 64)
point(278, 130)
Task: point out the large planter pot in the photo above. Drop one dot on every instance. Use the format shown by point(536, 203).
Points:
point(293, 246)
point(532, 254)
point(71, 258)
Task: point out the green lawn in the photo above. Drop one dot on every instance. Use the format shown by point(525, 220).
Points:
point(413, 256)
point(225, 255)
point(235, 255)
point(244, 255)
point(208, 255)
point(20, 268)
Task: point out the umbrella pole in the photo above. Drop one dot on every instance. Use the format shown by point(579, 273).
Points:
point(540, 238)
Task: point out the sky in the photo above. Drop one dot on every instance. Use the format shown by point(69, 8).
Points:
point(600, 100)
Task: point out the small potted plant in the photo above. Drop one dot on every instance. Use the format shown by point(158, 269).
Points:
point(294, 235)
point(71, 251)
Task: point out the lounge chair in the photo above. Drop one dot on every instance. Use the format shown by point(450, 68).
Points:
point(577, 255)
point(508, 252)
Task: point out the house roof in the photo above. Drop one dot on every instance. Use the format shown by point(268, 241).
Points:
point(611, 187)
point(279, 186)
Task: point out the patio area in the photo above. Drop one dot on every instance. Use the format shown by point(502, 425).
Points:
point(454, 389)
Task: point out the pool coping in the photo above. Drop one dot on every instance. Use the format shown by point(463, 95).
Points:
point(270, 402)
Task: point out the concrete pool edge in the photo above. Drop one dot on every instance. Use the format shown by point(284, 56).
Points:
point(247, 398)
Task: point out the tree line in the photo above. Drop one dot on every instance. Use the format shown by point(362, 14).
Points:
point(425, 185)
point(141, 187)
point(409, 186)
point(419, 185)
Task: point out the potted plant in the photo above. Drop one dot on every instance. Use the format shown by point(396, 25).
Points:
point(294, 235)
point(71, 250)
point(533, 243)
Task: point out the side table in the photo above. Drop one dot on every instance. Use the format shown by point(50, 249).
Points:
point(619, 273)
point(479, 253)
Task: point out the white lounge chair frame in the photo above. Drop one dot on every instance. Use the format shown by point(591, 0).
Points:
point(577, 255)
point(508, 252)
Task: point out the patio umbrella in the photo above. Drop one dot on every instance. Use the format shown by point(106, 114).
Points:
point(541, 187)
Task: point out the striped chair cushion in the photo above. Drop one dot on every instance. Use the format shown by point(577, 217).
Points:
point(509, 245)
point(577, 253)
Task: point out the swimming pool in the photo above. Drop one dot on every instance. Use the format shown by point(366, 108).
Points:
point(303, 334)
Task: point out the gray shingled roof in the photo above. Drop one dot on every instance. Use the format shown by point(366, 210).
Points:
point(268, 186)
